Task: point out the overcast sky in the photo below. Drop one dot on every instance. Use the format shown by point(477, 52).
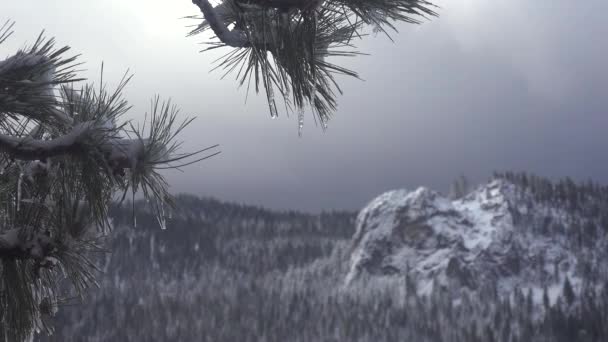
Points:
point(489, 85)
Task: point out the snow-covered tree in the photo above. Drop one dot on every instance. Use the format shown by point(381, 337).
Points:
point(65, 152)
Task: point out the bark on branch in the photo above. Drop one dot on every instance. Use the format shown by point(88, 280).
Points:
point(28, 148)
point(235, 38)
point(240, 39)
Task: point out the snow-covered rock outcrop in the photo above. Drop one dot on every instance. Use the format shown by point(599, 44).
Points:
point(498, 235)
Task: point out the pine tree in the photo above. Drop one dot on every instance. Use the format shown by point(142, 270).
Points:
point(568, 291)
point(529, 303)
point(460, 187)
point(556, 276)
point(64, 154)
point(546, 302)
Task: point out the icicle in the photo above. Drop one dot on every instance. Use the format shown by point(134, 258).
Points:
point(300, 120)
point(133, 209)
point(270, 96)
point(152, 244)
point(19, 190)
point(5, 214)
point(324, 123)
point(160, 217)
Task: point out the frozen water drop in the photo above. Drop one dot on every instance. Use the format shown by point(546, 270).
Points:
point(160, 217)
point(273, 111)
point(271, 102)
point(162, 222)
point(300, 121)
point(19, 181)
point(133, 209)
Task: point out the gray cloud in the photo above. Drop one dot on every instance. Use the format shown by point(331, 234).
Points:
point(490, 85)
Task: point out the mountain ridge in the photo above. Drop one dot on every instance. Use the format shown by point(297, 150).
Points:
point(500, 233)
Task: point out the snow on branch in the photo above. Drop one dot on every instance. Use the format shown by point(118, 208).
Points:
point(234, 38)
point(28, 148)
point(16, 243)
point(85, 138)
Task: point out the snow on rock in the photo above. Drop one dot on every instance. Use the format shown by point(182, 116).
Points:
point(492, 236)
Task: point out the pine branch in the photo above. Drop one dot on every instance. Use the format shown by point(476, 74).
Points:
point(28, 79)
point(27, 148)
point(286, 43)
point(234, 38)
point(63, 156)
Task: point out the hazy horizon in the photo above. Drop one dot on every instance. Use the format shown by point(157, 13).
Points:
point(488, 86)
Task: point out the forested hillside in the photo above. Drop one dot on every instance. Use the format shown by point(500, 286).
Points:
point(226, 272)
